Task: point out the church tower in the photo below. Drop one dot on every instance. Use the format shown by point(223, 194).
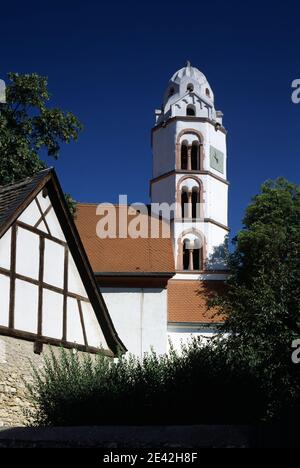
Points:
point(189, 171)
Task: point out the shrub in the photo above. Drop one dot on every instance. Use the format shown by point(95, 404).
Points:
point(198, 386)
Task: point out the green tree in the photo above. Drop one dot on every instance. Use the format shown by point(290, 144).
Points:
point(29, 129)
point(262, 303)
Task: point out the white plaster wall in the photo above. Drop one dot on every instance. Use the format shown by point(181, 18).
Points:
point(216, 200)
point(4, 300)
point(163, 146)
point(218, 140)
point(27, 253)
point(26, 306)
point(216, 236)
point(201, 276)
point(185, 336)
point(74, 328)
point(203, 107)
point(198, 226)
point(154, 320)
point(52, 324)
point(94, 333)
point(139, 316)
point(124, 306)
point(5, 243)
point(31, 214)
point(54, 225)
point(164, 190)
point(75, 284)
point(54, 263)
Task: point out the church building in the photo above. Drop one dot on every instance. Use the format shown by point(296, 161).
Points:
point(156, 289)
point(65, 284)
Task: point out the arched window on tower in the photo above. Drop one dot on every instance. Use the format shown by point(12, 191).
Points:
point(190, 110)
point(184, 202)
point(186, 254)
point(195, 203)
point(195, 156)
point(184, 155)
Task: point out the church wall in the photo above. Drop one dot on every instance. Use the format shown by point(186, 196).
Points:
point(183, 337)
point(139, 316)
point(218, 140)
point(216, 200)
point(214, 237)
point(210, 137)
point(163, 191)
point(164, 140)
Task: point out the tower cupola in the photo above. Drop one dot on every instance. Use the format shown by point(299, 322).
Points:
point(188, 94)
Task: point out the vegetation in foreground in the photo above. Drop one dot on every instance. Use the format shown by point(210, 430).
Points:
point(197, 387)
point(247, 377)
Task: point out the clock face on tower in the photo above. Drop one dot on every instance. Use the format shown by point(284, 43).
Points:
point(216, 159)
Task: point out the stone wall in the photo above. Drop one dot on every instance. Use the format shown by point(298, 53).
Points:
point(16, 356)
point(15, 370)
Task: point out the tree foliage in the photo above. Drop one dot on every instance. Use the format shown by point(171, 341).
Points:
point(29, 129)
point(262, 302)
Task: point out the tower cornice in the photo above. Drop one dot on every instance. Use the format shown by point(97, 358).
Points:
point(218, 127)
point(181, 171)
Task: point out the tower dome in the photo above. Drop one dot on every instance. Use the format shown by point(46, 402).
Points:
point(188, 72)
point(190, 84)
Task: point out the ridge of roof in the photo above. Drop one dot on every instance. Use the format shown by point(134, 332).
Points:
point(25, 180)
point(12, 196)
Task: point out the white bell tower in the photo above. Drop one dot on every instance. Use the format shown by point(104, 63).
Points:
point(189, 169)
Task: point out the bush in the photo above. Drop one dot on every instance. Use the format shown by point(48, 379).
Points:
point(198, 386)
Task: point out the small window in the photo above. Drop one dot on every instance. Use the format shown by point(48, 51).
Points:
point(207, 92)
point(190, 87)
point(171, 92)
point(190, 110)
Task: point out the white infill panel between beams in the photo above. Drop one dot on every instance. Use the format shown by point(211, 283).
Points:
point(5, 243)
point(4, 300)
point(26, 306)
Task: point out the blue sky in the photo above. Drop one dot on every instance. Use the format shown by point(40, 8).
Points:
point(109, 63)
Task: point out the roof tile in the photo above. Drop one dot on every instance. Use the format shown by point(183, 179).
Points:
point(13, 195)
point(122, 254)
point(187, 300)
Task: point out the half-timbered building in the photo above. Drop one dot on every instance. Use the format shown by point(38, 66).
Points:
point(48, 293)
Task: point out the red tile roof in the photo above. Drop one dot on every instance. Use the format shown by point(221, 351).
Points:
point(122, 255)
point(187, 301)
